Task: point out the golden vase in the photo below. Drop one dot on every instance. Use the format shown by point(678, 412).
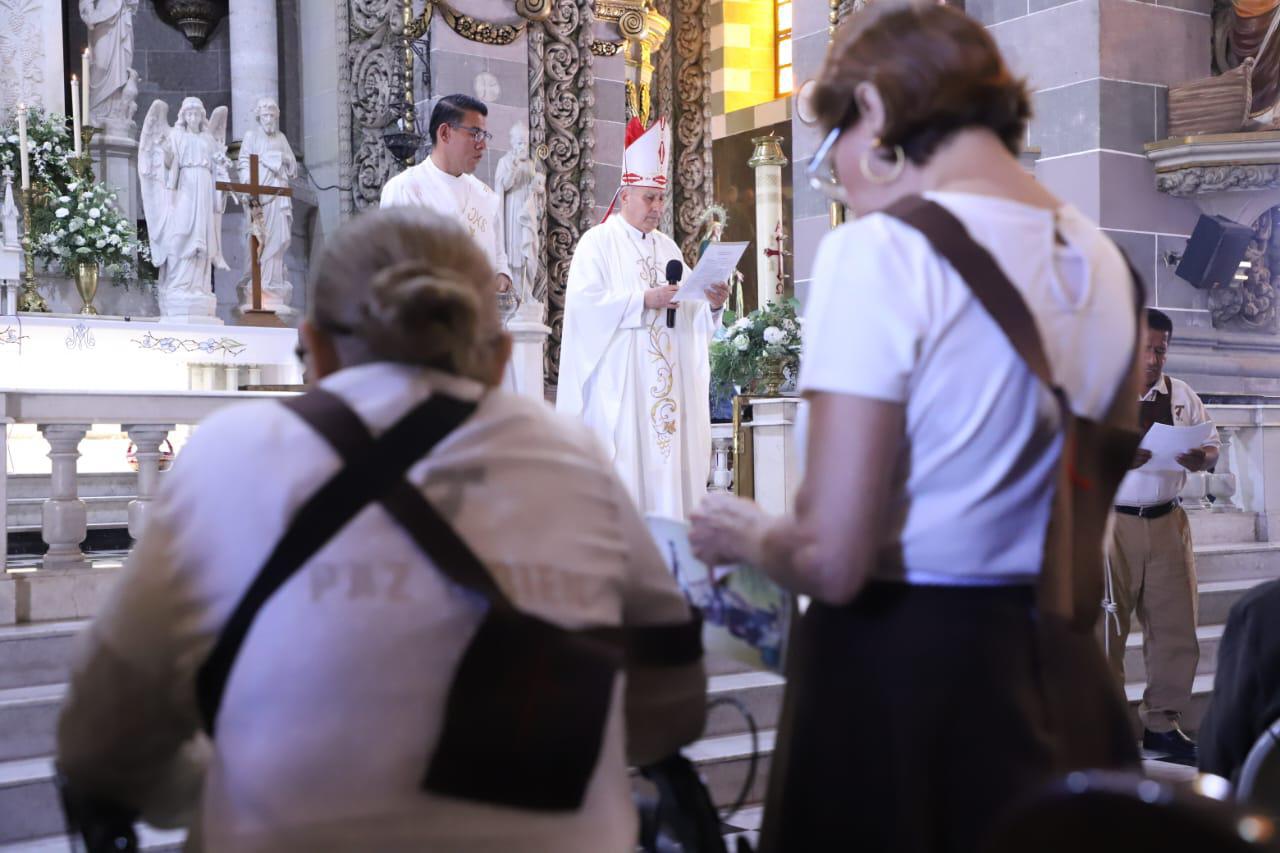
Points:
point(773, 375)
point(86, 276)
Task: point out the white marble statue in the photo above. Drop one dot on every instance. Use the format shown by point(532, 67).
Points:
point(532, 293)
point(511, 181)
point(113, 90)
point(179, 167)
point(274, 225)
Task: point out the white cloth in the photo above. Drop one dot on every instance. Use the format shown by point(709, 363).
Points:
point(641, 387)
point(462, 197)
point(888, 319)
point(334, 705)
point(1141, 487)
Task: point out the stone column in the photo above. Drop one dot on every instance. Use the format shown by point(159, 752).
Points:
point(146, 439)
point(255, 69)
point(768, 160)
point(65, 520)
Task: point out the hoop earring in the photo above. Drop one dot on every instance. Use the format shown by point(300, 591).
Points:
point(895, 171)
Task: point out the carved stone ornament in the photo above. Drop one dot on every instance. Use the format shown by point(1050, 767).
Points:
point(534, 10)
point(197, 19)
point(21, 38)
point(1250, 305)
point(568, 97)
point(370, 82)
point(692, 180)
point(606, 48)
point(1194, 180)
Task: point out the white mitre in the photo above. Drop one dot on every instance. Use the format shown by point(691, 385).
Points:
point(644, 160)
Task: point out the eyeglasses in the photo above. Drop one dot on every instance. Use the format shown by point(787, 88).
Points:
point(822, 169)
point(479, 134)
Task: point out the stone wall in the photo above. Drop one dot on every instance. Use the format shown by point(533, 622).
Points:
point(1099, 71)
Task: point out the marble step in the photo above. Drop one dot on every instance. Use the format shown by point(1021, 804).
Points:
point(1201, 692)
point(724, 763)
point(759, 692)
point(1217, 597)
point(28, 800)
point(29, 720)
point(1222, 528)
point(1239, 561)
point(149, 839)
point(31, 816)
point(37, 653)
point(1209, 636)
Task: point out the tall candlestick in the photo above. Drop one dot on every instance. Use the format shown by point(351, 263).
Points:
point(22, 147)
point(84, 75)
point(75, 113)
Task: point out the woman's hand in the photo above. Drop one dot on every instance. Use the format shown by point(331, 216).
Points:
point(728, 529)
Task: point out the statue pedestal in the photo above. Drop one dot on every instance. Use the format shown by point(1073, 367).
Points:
point(529, 339)
point(117, 166)
point(188, 308)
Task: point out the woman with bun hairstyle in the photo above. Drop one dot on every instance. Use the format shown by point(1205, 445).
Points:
point(327, 583)
point(925, 692)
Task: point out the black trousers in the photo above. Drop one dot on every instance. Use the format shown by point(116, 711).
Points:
point(916, 715)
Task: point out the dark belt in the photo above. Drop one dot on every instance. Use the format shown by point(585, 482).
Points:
point(1155, 511)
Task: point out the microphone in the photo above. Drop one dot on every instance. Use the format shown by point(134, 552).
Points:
point(675, 270)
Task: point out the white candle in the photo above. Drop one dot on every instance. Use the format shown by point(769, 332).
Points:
point(22, 146)
point(75, 114)
point(84, 75)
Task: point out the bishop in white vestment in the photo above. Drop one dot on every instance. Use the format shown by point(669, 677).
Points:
point(639, 384)
point(444, 181)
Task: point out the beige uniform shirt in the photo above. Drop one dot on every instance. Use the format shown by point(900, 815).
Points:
point(1149, 488)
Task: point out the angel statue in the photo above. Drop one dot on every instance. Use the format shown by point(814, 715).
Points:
point(179, 168)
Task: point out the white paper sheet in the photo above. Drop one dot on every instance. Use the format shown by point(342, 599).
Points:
point(717, 264)
point(1166, 443)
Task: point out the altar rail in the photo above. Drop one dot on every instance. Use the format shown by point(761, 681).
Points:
point(63, 418)
point(1246, 479)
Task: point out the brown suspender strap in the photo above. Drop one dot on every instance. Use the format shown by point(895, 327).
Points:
point(371, 471)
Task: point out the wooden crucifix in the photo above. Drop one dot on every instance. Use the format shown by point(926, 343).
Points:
point(252, 201)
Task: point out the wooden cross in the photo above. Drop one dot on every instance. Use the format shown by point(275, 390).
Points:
point(257, 316)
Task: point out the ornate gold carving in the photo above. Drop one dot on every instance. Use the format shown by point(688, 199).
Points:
point(472, 29)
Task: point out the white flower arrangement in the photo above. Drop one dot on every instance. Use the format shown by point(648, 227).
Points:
point(741, 349)
point(87, 228)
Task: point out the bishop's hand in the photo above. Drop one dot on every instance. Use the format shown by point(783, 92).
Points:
point(661, 297)
point(718, 295)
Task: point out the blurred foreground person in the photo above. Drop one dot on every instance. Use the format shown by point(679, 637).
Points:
point(955, 333)
point(398, 691)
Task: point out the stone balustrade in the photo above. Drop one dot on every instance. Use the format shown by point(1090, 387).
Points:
point(1247, 477)
point(63, 418)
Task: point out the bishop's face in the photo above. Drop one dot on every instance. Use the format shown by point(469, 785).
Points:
point(642, 207)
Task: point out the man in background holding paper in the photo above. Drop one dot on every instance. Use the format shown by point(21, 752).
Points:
point(634, 362)
point(1151, 566)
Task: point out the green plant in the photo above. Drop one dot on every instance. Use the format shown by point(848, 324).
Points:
point(743, 345)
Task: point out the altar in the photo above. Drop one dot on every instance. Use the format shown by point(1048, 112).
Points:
point(72, 352)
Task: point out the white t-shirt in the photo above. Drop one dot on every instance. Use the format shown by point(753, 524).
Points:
point(334, 705)
point(889, 319)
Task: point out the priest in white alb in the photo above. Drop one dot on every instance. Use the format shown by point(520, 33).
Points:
point(637, 378)
point(445, 181)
